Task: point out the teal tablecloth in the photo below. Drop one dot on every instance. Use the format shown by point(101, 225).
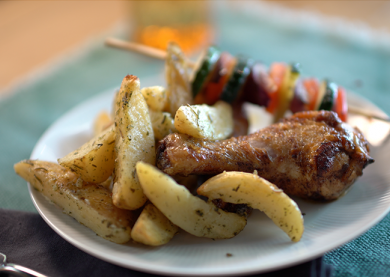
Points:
point(347, 59)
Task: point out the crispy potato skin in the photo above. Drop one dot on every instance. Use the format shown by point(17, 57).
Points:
point(94, 161)
point(134, 141)
point(89, 204)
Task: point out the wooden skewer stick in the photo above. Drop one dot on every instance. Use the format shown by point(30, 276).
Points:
point(365, 113)
point(142, 49)
point(162, 55)
point(136, 47)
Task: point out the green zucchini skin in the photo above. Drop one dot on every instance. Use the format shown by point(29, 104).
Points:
point(237, 80)
point(330, 96)
point(295, 69)
point(209, 61)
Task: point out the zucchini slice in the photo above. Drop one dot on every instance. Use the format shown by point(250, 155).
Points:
point(329, 95)
point(237, 80)
point(206, 66)
point(213, 87)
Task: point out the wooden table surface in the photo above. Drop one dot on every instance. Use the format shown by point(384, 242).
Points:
point(35, 32)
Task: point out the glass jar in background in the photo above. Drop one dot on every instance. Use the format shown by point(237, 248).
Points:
point(156, 23)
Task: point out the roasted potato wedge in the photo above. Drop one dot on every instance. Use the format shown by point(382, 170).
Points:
point(155, 97)
point(89, 204)
point(163, 124)
point(102, 122)
point(177, 77)
point(95, 160)
point(153, 227)
point(258, 193)
point(203, 121)
point(109, 183)
point(134, 141)
point(197, 217)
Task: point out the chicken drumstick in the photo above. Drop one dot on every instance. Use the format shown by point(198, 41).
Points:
point(313, 155)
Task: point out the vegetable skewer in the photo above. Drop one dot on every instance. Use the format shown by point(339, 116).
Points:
point(284, 92)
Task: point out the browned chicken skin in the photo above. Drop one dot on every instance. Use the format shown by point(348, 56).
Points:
point(313, 155)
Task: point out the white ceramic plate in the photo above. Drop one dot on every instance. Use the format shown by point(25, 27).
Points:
point(259, 248)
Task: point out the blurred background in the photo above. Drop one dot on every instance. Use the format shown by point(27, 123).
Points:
point(35, 32)
point(53, 56)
